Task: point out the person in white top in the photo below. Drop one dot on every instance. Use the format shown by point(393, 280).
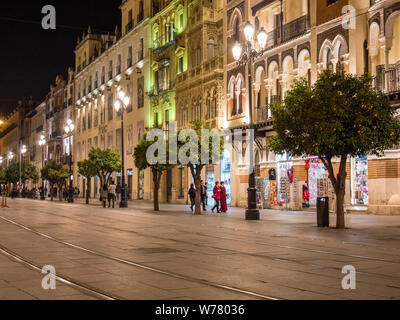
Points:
point(111, 194)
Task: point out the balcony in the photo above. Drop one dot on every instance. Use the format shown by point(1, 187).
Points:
point(158, 48)
point(392, 88)
point(291, 30)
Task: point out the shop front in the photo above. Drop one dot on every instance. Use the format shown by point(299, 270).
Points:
point(210, 179)
point(226, 174)
point(284, 166)
point(359, 181)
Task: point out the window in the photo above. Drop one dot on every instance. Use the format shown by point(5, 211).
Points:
point(110, 140)
point(96, 115)
point(181, 20)
point(129, 59)
point(118, 69)
point(129, 137)
point(110, 70)
point(118, 139)
point(90, 116)
point(167, 119)
point(156, 120)
point(110, 107)
point(141, 48)
point(236, 34)
point(210, 48)
point(96, 142)
point(129, 94)
point(180, 65)
point(103, 75)
point(329, 2)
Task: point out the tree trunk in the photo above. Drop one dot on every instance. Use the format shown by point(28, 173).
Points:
point(60, 194)
point(156, 180)
point(339, 185)
point(196, 173)
point(51, 192)
point(340, 193)
point(88, 190)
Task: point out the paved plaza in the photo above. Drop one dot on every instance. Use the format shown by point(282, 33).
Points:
point(135, 253)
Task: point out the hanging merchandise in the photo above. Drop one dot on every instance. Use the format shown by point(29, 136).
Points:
point(315, 172)
point(359, 181)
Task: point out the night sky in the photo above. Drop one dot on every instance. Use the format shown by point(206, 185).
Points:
point(31, 57)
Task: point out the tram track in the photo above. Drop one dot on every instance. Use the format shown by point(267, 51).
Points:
point(84, 288)
point(258, 242)
point(326, 252)
point(77, 284)
point(261, 256)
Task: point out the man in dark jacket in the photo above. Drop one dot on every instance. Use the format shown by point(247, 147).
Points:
point(203, 195)
point(192, 196)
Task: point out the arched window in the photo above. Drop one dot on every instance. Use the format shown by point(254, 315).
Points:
point(236, 30)
point(208, 103)
point(239, 95)
point(329, 64)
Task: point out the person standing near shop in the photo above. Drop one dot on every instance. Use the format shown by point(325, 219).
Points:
point(224, 207)
point(111, 194)
point(104, 195)
point(203, 195)
point(118, 192)
point(192, 196)
point(217, 197)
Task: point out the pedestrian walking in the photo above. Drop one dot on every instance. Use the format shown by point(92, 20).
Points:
point(111, 194)
point(192, 196)
point(203, 195)
point(118, 192)
point(217, 197)
point(224, 207)
point(104, 195)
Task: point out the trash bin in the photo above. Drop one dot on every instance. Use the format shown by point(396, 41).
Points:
point(323, 212)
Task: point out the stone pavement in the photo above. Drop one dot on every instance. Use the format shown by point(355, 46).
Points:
point(284, 255)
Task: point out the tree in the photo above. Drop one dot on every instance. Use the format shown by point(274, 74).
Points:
point(61, 177)
point(341, 116)
point(87, 169)
point(55, 174)
point(105, 163)
point(28, 171)
point(157, 169)
point(194, 149)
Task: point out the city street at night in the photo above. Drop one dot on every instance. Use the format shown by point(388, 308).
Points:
point(138, 254)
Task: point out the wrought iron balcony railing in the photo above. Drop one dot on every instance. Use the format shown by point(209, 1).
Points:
point(290, 30)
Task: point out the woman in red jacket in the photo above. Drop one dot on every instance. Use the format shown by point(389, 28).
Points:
point(217, 197)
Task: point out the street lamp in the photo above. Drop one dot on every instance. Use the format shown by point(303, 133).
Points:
point(10, 156)
point(42, 142)
point(252, 50)
point(69, 128)
point(120, 106)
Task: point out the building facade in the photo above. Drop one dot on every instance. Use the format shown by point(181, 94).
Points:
point(106, 64)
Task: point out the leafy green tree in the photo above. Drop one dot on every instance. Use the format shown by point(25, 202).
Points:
point(194, 148)
point(3, 179)
point(62, 176)
point(28, 171)
point(56, 174)
point(87, 169)
point(341, 116)
point(105, 163)
point(157, 169)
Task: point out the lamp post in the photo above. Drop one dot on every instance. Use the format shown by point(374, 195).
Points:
point(69, 128)
point(42, 142)
point(21, 152)
point(120, 106)
point(252, 50)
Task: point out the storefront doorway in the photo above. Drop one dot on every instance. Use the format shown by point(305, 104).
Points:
point(226, 174)
point(359, 181)
point(283, 165)
point(210, 178)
